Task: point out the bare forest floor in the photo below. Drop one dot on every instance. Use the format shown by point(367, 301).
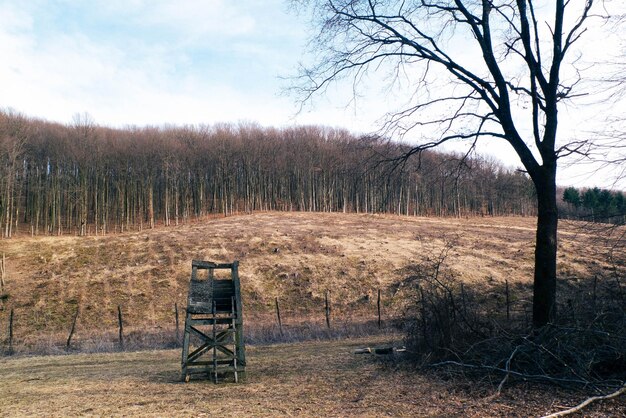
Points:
point(305, 379)
point(295, 257)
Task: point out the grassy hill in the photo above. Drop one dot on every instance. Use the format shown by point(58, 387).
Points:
point(295, 257)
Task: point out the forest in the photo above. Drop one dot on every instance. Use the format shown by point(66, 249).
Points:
point(82, 178)
point(594, 204)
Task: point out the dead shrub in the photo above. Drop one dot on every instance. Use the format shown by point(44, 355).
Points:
point(485, 332)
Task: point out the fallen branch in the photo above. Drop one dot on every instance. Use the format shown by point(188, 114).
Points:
point(587, 402)
point(506, 376)
point(514, 373)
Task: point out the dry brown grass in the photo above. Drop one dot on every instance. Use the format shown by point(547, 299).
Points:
point(307, 379)
point(293, 256)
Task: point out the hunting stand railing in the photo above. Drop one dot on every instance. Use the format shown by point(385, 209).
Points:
point(213, 339)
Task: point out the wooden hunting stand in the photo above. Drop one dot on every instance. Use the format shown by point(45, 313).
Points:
point(213, 339)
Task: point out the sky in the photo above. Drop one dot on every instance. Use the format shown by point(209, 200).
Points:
point(140, 62)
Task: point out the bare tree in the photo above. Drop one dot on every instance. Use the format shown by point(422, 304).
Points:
point(12, 137)
point(475, 69)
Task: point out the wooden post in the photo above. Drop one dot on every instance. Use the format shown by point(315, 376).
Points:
point(327, 309)
point(69, 338)
point(508, 303)
point(239, 337)
point(378, 306)
point(280, 323)
point(595, 288)
point(10, 352)
point(121, 324)
point(177, 324)
point(463, 300)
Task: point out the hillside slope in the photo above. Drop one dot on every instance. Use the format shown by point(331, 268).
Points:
point(295, 257)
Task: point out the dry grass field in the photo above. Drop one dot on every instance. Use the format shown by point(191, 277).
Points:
point(306, 379)
point(295, 257)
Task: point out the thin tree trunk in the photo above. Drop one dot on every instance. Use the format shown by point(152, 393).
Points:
point(2, 271)
point(96, 195)
point(167, 200)
point(7, 216)
point(150, 205)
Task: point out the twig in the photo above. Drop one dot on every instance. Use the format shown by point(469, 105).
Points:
point(557, 358)
point(580, 406)
point(506, 376)
point(514, 373)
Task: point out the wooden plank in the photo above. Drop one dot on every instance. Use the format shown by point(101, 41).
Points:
point(185, 348)
point(211, 321)
point(239, 338)
point(202, 264)
point(222, 309)
point(226, 351)
point(224, 266)
point(200, 334)
point(220, 363)
point(198, 352)
point(211, 265)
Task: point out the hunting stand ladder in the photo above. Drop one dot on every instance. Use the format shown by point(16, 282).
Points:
point(213, 339)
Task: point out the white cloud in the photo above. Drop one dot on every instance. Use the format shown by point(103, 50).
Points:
point(189, 19)
point(15, 19)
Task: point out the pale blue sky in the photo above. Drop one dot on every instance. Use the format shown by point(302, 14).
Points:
point(138, 62)
point(154, 62)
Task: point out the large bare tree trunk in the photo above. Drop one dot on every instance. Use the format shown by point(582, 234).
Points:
point(544, 286)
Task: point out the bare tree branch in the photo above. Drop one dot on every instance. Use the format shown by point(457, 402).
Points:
point(588, 401)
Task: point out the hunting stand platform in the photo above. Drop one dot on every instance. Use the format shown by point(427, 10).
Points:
point(213, 339)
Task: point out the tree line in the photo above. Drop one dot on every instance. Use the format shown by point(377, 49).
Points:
point(83, 178)
point(594, 204)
